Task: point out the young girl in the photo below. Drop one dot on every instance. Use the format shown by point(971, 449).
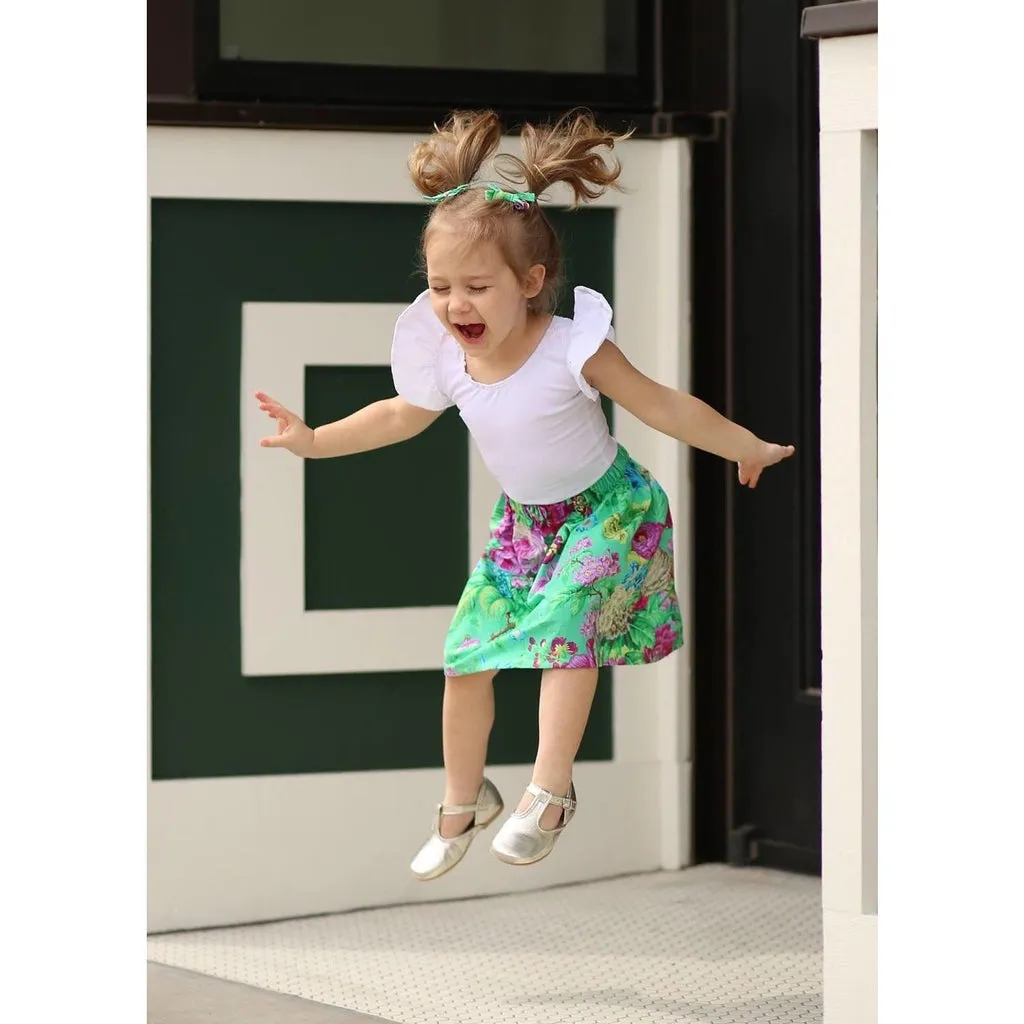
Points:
point(578, 572)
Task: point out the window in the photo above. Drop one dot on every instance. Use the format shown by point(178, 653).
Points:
point(536, 53)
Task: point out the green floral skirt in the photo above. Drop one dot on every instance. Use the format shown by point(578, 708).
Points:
point(583, 583)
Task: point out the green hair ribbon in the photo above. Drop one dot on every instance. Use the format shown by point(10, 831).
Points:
point(450, 194)
point(520, 200)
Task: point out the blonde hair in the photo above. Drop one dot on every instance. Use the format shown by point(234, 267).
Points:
point(566, 152)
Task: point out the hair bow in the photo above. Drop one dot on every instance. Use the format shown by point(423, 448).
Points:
point(520, 200)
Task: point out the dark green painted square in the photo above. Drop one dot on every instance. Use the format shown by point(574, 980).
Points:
point(517, 714)
point(384, 529)
point(208, 257)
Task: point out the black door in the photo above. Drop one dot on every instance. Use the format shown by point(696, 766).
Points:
point(756, 356)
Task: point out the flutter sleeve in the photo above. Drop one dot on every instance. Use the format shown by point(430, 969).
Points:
point(591, 328)
point(415, 356)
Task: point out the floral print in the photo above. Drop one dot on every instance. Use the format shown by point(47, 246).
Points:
point(591, 569)
point(582, 583)
point(647, 538)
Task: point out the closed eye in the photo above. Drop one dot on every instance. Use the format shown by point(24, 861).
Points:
point(440, 289)
point(479, 288)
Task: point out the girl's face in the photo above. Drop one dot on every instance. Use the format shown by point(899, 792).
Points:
point(475, 293)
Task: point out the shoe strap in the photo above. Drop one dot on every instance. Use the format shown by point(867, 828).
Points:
point(568, 802)
point(454, 809)
point(459, 808)
point(466, 808)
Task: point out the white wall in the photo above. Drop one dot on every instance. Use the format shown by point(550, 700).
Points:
point(226, 851)
point(849, 507)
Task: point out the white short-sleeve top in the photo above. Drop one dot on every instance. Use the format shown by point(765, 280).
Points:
point(541, 431)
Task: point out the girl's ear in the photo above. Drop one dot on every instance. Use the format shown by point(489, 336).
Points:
point(534, 280)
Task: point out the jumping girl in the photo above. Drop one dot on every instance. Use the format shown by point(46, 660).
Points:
point(578, 571)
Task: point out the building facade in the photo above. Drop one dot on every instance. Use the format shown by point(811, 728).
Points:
point(283, 237)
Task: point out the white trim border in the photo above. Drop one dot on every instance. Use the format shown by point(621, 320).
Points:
point(279, 636)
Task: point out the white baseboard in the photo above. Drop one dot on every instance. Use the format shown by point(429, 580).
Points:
point(240, 850)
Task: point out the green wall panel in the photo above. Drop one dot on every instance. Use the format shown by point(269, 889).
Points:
point(388, 528)
point(208, 257)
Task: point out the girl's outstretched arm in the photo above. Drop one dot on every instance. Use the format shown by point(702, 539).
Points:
point(680, 415)
point(374, 426)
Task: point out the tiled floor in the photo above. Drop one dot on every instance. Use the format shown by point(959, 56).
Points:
point(711, 945)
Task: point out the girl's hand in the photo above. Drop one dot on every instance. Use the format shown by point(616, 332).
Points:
point(761, 458)
point(292, 433)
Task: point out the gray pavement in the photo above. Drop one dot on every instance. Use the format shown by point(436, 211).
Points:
point(176, 996)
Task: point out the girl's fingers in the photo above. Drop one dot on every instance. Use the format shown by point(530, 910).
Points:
point(277, 412)
point(282, 417)
point(750, 473)
point(272, 406)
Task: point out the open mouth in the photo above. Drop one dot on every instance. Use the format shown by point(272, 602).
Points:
point(470, 332)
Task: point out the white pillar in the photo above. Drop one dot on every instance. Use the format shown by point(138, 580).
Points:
point(849, 499)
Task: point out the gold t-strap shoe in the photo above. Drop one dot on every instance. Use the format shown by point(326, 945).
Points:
point(439, 855)
point(521, 840)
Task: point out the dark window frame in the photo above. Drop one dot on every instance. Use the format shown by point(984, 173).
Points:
point(242, 81)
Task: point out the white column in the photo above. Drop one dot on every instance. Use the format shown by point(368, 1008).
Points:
point(849, 501)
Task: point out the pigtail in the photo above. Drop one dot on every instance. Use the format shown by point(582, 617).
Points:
point(566, 151)
point(454, 154)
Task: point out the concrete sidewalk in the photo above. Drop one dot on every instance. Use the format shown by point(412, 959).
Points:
point(184, 997)
point(708, 945)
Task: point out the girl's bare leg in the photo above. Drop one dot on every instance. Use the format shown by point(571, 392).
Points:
point(566, 696)
point(466, 721)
